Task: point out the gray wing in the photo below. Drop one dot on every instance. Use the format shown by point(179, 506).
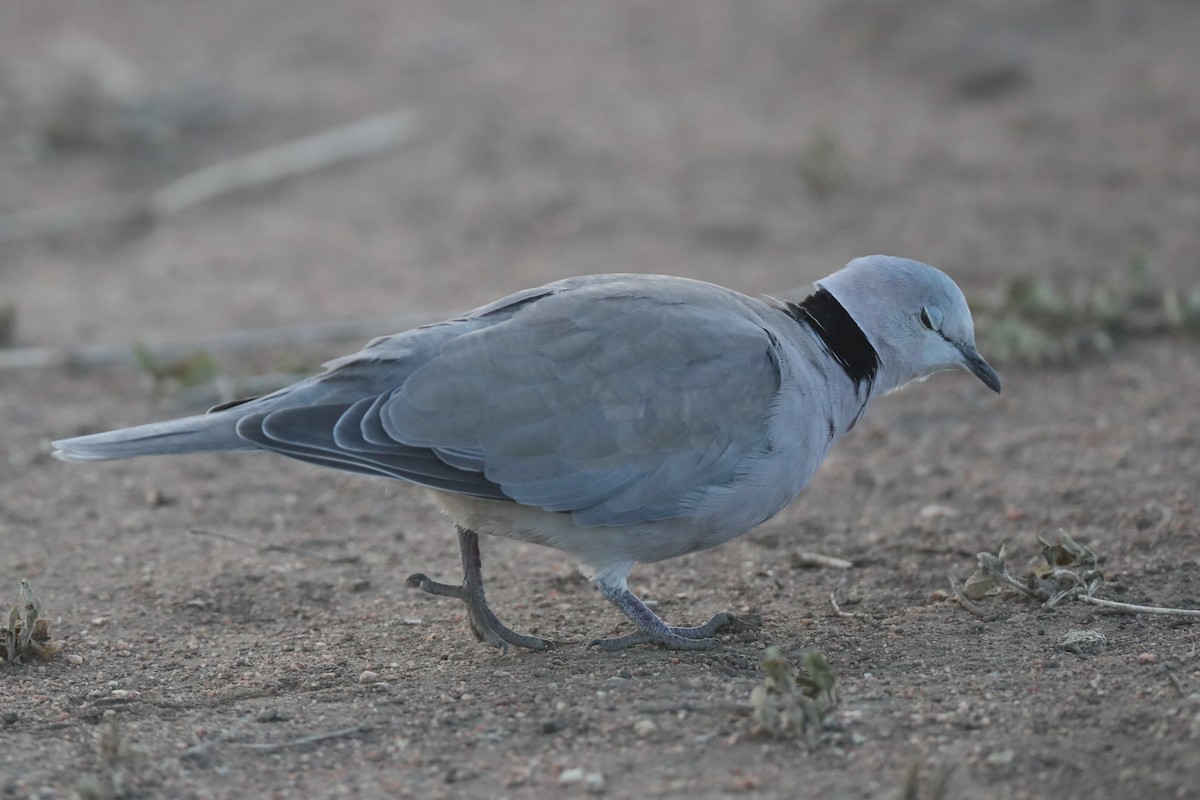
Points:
point(615, 400)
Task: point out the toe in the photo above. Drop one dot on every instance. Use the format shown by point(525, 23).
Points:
point(668, 641)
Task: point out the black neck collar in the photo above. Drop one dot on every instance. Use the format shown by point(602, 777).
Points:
point(840, 334)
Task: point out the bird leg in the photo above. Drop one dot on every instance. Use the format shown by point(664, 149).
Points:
point(483, 622)
point(652, 630)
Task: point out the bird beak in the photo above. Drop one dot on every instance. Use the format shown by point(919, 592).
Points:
point(980, 368)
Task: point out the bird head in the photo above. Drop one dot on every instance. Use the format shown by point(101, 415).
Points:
point(914, 315)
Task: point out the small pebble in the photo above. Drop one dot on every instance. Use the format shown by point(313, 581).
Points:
point(644, 728)
point(1148, 658)
point(936, 511)
point(594, 781)
point(1001, 758)
point(74, 658)
point(552, 725)
point(1089, 642)
point(368, 676)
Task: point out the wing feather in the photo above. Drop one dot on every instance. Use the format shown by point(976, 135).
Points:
point(613, 399)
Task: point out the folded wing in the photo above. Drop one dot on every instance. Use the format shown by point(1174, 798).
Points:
point(617, 401)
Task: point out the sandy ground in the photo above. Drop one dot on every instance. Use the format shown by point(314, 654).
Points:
point(758, 145)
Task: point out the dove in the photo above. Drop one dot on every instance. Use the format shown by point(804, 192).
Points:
point(621, 419)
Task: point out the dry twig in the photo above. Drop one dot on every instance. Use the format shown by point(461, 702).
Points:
point(366, 137)
point(807, 558)
point(268, 546)
point(303, 740)
point(233, 341)
point(1132, 608)
point(202, 747)
point(837, 609)
point(970, 605)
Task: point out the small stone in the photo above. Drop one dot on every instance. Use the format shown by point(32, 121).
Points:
point(644, 728)
point(594, 781)
point(552, 725)
point(368, 676)
point(1083, 642)
point(936, 511)
point(1147, 658)
point(73, 658)
point(1001, 758)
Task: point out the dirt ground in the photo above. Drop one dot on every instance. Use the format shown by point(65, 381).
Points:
point(758, 145)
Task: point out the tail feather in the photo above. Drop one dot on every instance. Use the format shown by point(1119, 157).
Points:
point(198, 434)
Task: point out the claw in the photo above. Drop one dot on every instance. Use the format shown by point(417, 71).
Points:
point(425, 584)
point(652, 630)
point(484, 624)
point(669, 641)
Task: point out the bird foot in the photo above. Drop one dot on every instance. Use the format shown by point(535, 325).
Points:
point(697, 638)
point(484, 624)
point(652, 630)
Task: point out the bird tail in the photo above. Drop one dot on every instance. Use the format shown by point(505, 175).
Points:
point(199, 434)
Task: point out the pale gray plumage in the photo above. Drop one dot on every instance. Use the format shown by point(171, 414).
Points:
point(620, 418)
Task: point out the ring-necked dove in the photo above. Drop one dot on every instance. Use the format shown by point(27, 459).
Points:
point(618, 418)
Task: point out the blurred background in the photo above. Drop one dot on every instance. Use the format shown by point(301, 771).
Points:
point(760, 145)
point(173, 170)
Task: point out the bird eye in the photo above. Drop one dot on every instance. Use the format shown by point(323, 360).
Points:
point(931, 318)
